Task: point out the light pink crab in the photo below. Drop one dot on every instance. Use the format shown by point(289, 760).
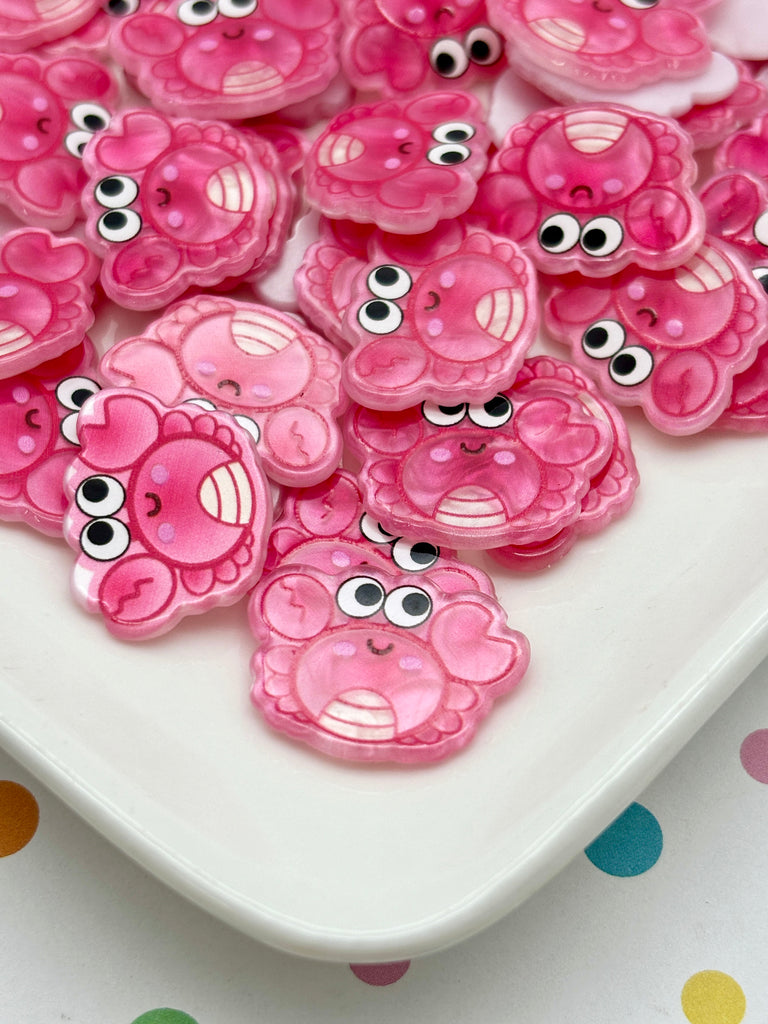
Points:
point(370, 666)
point(28, 23)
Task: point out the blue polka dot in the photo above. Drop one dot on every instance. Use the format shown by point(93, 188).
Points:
point(629, 846)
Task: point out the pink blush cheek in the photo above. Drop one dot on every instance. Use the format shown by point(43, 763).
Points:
point(344, 649)
point(440, 455)
point(26, 444)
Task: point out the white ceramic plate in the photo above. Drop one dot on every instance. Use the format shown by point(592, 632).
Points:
point(637, 637)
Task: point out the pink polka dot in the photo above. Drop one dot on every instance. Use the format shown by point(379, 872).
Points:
point(754, 755)
point(380, 974)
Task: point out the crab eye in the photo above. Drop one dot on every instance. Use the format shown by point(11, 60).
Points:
point(760, 228)
point(360, 597)
point(75, 142)
point(250, 426)
point(90, 117)
point(483, 45)
point(559, 233)
point(448, 59)
point(639, 5)
point(443, 415)
point(453, 131)
point(105, 539)
point(389, 282)
point(414, 557)
point(760, 274)
point(380, 316)
point(201, 403)
point(494, 413)
point(601, 236)
point(120, 8)
point(373, 531)
point(116, 191)
point(237, 8)
point(448, 154)
point(196, 12)
point(603, 339)
point(119, 225)
point(100, 496)
point(631, 366)
point(407, 606)
point(73, 391)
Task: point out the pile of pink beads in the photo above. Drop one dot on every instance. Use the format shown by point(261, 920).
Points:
point(348, 224)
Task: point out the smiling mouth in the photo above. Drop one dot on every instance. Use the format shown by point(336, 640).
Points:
point(29, 419)
point(234, 35)
point(581, 188)
point(379, 650)
point(156, 504)
point(597, 7)
point(472, 451)
point(652, 317)
point(165, 194)
point(42, 125)
point(405, 147)
point(435, 301)
point(227, 383)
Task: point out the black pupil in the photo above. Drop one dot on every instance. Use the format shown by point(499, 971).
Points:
point(377, 310)
point(415, 604)
point(445, 64)
point(95, 490)
point(115, 220)
point(552, 236)
point(623, 364)
point(111, 187)
point(480, 50)
point(386, 276)
point(93, 122)
point(118, 7)
point(451, 410)
point(79, 396)
point(763, 282)
point(100, 533)
point(451, 156)
point(596, 337)
point(594, 239)
point(368, 594)
point(423, 553)
point(497, 406)
point(456, 135)
point(202, 7)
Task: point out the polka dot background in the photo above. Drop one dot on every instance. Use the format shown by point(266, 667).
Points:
point(661, 918)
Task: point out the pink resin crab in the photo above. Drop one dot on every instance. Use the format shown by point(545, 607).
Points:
point(710, 124)
point(263, 366)
point(46, 291)
point(370, 666)
point(49, 109)
point(513, 470)
point(594, 188)
point(402, 165)
point(228, 59)
point(615, 44)
point(169, 511)
point(453, 314)
point(746, 149)
point(172, 203)
point(436, 44)
point(670, 342)
point(38, 435)
point(28, 23)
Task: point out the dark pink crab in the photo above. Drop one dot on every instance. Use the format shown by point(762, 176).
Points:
point(670, 342)
point(593, 188)
point(371, 666)
point(49, 109)
point(266, 367)
point(229, 59)
point(402, 165)
point(512, 470)
point(172, 202)
point(38, 435)
point(28, 23)
point(169, 511)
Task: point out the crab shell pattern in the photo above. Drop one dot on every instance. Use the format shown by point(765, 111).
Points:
point(712, 123)
point(670, 342)
point(370, 666)
point(228, 59)
point(513, 470)
point(594, 188)
point(249, 360)
point(27, 23)
point(169, 511)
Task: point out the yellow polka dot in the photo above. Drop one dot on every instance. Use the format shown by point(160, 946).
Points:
point(19, 816)
point(711, 997)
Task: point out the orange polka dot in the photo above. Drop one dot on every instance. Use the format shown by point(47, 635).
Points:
point(19, 817)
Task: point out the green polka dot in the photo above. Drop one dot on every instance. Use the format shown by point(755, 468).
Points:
point(630, 846)
point(164, 1016)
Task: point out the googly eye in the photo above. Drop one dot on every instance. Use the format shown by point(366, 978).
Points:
point(105, 539)
point(360, 597)
point(453, 131)
point(448, 154)
point(380, 316)
point(237, 8)
point(603, 339)
point(116, 191)
point(73, 391)
point(760, 274)
point(601, 236)
point(448, 59)
point(483, 46)
point(389, 282)
point(119, 225)
point(373, 531)
point(250, 426)
point(443, 415)
point(121, 8)
point(91, 117)
point(631, 366)
point(414, 557)
point(494, 413)
point(407, 606)
point(75, 142)
point(640, 5)
point(760, 228)
point(100, 496)
point(196, 12)
point(559, 233)
point(201, 403)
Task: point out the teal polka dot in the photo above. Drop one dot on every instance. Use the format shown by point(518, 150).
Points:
point(629, 846)
point(164, 1016)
